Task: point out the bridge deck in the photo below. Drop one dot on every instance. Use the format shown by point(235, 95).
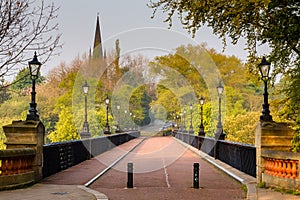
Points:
point(163, 169)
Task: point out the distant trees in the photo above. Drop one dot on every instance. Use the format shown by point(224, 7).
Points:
point(163, 86)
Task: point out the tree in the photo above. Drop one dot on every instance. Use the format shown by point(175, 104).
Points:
point(26, 27)
point(23, 80)
point(65, 127)
point(275, 22)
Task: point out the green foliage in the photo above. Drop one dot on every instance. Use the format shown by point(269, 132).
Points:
point(3, 121)
point(4, 95)
point(23, 80)
point(174, 94)
point(262, 185)
point(275, 23)
point(14, 107)
point(139, 105)
point(240, 128)
point(65, 128)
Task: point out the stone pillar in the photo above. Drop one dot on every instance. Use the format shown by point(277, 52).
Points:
point(27, 134)
point(270, 136)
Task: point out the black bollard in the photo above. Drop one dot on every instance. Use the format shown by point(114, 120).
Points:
point(129, 175)
point(196, 175)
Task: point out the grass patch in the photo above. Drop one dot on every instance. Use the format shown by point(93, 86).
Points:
point(262, 185)
point(286, 191)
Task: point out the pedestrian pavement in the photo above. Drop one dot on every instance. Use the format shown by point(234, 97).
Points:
point(70, 183)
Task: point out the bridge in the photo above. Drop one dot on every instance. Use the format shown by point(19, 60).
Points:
point(163, 167)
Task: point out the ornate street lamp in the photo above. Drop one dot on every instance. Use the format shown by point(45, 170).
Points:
point(85, 130)
point(201, 130)
point(264, 68)
point(34, 67)
point(118, 124)
point(219, 133)
point(107, 128)
point(191, 131)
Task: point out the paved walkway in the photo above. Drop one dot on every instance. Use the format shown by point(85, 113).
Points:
point(167, 174)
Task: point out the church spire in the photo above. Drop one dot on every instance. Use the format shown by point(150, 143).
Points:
point(97, 52)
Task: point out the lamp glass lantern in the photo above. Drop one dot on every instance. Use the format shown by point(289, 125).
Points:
point(220, 88)
point(85, 87)
point(34, 67)
point(107, 100)
point(201, 100)
point(264, 68)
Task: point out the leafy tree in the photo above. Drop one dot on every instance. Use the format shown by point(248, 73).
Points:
point(4, 95)
point(65, 128)
point(241, 128)
point(139, 105)
point(23, 80)
point(275, 22)
point(26, 27)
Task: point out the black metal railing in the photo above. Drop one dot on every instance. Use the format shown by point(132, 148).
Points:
point(238, 155)
point(62, 155)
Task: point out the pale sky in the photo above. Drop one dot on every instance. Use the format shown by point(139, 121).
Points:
point(130, 22)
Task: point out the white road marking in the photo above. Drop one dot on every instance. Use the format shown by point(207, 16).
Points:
point(166, 174)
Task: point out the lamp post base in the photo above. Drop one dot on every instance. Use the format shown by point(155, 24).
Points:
point(84, 135)
point(220, 136)
point(107, 130)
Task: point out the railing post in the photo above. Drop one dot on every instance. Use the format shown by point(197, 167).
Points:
point(129, 175)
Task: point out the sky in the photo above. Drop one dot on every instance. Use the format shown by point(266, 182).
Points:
point(130, 22)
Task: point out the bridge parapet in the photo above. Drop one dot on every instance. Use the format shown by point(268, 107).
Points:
point(238, 155)
point(62, 155)
point(16, 168)
point(281, 169)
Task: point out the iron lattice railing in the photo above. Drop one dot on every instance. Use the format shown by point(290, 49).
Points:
point(238, 155)
point(62, 155)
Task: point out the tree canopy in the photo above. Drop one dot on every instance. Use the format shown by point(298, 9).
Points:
point(273, 22)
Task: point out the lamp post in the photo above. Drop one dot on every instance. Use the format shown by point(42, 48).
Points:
point(125, 120)
point(219, 133)
point(264, 68)
point(85, 130)
point(184, 114)
point(201, 130)
point(130, 128)
point(134, 125)
point(34, 67)
point(107, 128)
point(191, 131)
point(118, 115)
